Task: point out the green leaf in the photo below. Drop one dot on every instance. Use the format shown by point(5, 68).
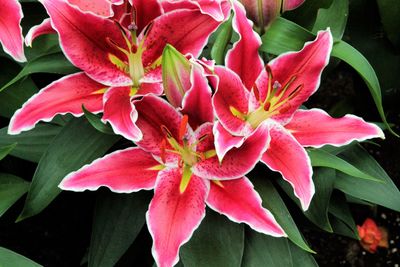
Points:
point(274, 203)
point(76, 145)
point(52, 63)
point(263, 250)
point(284, 36)
point(31, 144)
point(385, 194)
point(217, 242)
point(389, 11)
point(220, 46)
point(9, 258)
point(95, 121)
point(11, 189)
point(334, 17)
point(5, 150)
point(318, 211)
point(321, 158)
point(118, 219)
point(358, 62)
point(16, 95)
point(339, 208)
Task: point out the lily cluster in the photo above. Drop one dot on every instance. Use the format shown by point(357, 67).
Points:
point(198, 128)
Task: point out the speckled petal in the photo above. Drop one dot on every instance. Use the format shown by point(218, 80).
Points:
point(66, 95)
point(173, 216)
point(123, 171)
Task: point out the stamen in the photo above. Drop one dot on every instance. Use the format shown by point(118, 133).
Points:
point(157, 168)
point(163, 147)
point(183, 126)
point(186, 175)
point(256, 92)
point(217, 182)
point(166, 132)
point(237, 113)
point(115, 45)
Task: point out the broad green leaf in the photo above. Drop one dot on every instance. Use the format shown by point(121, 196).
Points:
point(284, 36)
point(118, 219)
point(385, 194)
point(220, 46)
point(51, 63)
point(339, 227)
point(339, 208)
point(9, 258)
point(273, 202)
point(31, 144)
point(43, 45)
point(18, 93)
point(5, 150)
point(77, 144)
point(11, 189)
point(95, 121)
point(358, 62)
point(318, 211)
point(217, 242)
point(321, 158)
point(306, 14)
point(389, 11)
point(14, 96)
point(334, 17)
point(263, 250)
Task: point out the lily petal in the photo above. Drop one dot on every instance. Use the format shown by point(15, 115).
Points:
point(10, 30)
point(197, 100)
point(291, 4)
point(66, 95)
point(186, 30)
point(224, 141)
point(154, 113)
point(316, 128)
point(120, 112)
point(123, 171)
point(238, 200)
point(299, 74)
point(84, 38)
point(173, 216)
point(38, 30)
point(102, 8)
point(243, 58)
point(238, 161)
point(146, 11)
point(288, 157)
point(262, 12)
point(231, 95)
point(219, 10)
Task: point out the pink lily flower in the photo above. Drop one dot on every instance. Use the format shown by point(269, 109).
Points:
point(120, 60)
point(242, 104)
point(10, 29)
point(180, 164)
point(264, 12)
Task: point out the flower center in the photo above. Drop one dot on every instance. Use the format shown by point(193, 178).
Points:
point(132, 64)
point(188, 156)
point(277, 101)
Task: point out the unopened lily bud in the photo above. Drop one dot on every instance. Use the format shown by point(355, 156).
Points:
point(263, 12)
